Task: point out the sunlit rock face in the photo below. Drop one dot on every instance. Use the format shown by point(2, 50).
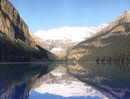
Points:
point(12, 25)
point(16, 43)
point(60, 82)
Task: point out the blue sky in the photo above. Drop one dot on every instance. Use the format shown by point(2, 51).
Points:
point(48, 14)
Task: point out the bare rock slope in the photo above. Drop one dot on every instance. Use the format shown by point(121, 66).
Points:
point(16, 44)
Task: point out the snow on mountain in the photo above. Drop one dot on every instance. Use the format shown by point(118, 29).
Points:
point(56, 49)
point(76, 34)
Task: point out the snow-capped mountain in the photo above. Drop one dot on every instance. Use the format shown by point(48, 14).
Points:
point(76, 34)
point(59, 82)
point(60, 39)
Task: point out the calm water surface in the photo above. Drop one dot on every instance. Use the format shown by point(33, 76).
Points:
point(65, 81)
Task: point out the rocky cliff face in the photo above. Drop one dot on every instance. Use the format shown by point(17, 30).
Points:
point(112, 43)
point(12, 25)
point(16, 43)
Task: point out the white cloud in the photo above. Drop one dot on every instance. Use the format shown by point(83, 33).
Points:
point(76, 34)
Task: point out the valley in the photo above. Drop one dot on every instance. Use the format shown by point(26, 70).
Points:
point(62, 49)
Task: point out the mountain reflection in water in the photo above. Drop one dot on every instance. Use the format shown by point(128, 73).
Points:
point(64, 81)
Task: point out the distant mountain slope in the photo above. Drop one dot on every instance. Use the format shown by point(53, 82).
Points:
point(112, 43)
point(57, 47)
point(45, 47)
point(61, 40)
point(40, 42)
point(16, 44)
point(60, 47)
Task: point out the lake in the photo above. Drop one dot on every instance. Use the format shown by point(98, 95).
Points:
point(86, 80)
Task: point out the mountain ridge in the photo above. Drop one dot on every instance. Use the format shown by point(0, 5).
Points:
point(111, 43)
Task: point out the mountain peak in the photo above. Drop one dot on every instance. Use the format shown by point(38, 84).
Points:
point(125, 17)
point(125, 14)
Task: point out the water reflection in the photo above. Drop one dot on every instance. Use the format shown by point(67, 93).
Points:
point(61, 82)
point(64, 80)
point(113, 80)
point(16, 80)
